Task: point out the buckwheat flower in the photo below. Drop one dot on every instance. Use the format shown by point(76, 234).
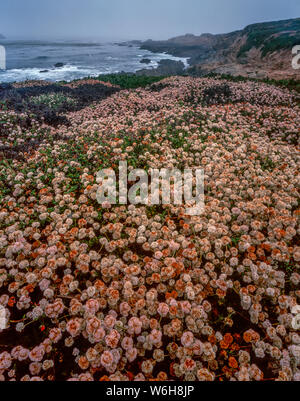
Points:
point(125, 309)
point(73, 285)
point(275, 353)
point(25, 378)
point(41, 262)
point(295, 338)
point(37, 354)
point(270, 292)
point(259, 353)
point(92, 306)
point(134, 325)
point(147, 367)
point(44, 284)
point(35, 368)
point(155, 336)
point(197, 348)
point(159, 355)
point(91, 291)
point(109, 321)
point(46, 272)
point(107, 359)
point(112, 339)
point(74, 326)
point(205, 375)
point(163, 309)
point(207, 331)
point(75, 352)
point(206, 306)
point(234, 262)
point(185, 306)
point(55, 335)
point(11, 374)
point(15, 352)
point(243, 374)
point(271, 331)
point(281, 330)
point(55, 309)
point(36, 379)
point(83, 362)
point(283, 301)
point(187, 339)
point(127, 343)
point(131, 354)
point(92, 325)
point(188, 365)
point(23, 264)
point(30, 278)
point(47, 364)
point(244, 357)
point(295, 278)
point(37, 312)
point(295, 352)
point(20, 327)
point(296, 377)
point(296, 253)
point(69, 341)
point(246, 302)
point(255, 373)
point(5, 360)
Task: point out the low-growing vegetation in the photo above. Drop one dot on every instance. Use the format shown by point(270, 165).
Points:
point(291, 84)
point(271, 37)
point(129, 81)
point(93, 291)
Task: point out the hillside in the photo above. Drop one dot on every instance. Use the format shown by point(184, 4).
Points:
point(259, 50)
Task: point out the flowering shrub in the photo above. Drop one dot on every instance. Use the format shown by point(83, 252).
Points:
point(101, 292)
point(55, 101)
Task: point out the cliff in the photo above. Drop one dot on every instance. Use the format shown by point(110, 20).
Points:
point(262, 49)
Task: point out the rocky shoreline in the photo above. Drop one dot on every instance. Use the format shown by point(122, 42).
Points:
point(165, 68)
point(260, 51)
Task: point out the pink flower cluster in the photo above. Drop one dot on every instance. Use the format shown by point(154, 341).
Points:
point(146, 292)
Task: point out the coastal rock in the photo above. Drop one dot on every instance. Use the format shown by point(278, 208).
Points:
point(165, 68)
point(145, 61)
point(58, 65)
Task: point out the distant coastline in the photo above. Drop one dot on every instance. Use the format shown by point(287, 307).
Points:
point(258, 51)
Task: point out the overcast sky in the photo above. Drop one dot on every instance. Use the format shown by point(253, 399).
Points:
point(135, 19)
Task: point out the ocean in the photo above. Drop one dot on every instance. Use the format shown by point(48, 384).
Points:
point(27, 60)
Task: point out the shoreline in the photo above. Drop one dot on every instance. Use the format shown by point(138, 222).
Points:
point(39, 64)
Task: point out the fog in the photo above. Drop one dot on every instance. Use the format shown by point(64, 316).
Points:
point(135, 19)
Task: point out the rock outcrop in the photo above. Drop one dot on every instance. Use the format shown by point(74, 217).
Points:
point(263, 49)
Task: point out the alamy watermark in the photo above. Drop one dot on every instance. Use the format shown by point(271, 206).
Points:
point(296, 58)
point(2, 58)
point(3, 319)
point(167, 186)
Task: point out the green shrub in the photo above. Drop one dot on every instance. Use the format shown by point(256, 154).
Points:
point(129, 81)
